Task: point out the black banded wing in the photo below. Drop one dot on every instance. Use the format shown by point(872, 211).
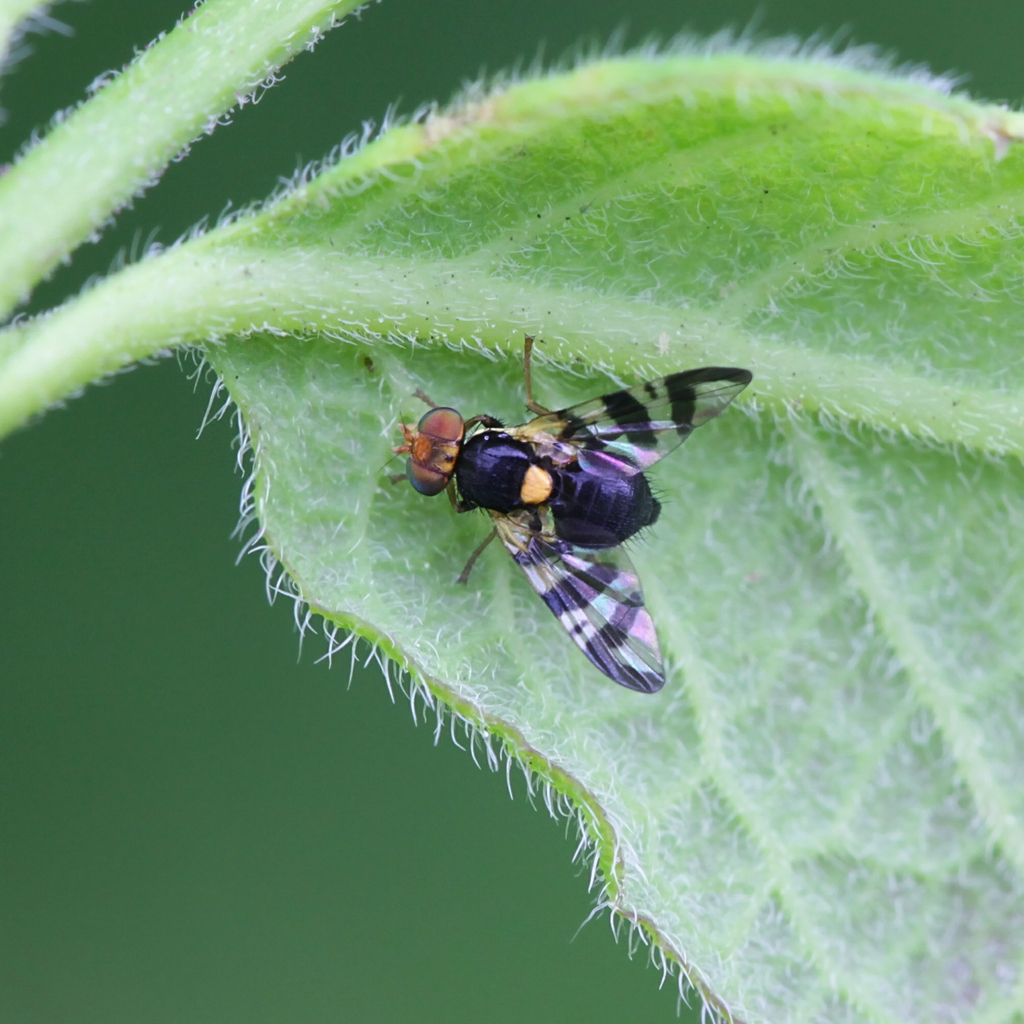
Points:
point(594, 593)
point(628, 431)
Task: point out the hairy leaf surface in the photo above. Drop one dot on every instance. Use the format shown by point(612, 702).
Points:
point(821, 815)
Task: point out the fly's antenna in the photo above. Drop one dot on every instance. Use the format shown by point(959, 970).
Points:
point(409, 434)
point(388, 463)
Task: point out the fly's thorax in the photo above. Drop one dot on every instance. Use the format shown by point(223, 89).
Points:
point(492, 469)
point(434, 448)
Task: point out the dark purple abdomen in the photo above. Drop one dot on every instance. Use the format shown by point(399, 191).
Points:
point(601, 511)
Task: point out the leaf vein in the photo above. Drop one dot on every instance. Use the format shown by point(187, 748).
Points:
point(926, 677)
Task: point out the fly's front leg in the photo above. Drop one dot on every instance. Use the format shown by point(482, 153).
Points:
point(533, 406)
point(457, 503)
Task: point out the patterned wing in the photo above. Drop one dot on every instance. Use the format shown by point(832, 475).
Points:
point(594, 594)
point(628, 431)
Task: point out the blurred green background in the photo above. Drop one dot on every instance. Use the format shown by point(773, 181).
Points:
point(198, 824)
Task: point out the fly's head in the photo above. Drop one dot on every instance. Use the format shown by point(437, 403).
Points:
point(433, 447)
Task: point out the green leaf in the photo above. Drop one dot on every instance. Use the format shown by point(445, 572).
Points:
point(820, 816)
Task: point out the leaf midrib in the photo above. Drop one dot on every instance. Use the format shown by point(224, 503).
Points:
point(192, 294)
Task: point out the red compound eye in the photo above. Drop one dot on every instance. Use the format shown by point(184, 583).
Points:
point(442, 424)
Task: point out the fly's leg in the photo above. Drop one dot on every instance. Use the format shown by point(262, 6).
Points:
point(425, 398)
point(533, 406)
point(457, 503)
point(453, 497)
point(487, 421)
point(464, 575)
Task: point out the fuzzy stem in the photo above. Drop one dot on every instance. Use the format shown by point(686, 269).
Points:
point(118, 142)
point(204, 291)
point(13, 21)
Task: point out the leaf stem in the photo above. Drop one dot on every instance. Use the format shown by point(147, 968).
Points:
point(206, 290)
point(117, 143)
point(14, 22)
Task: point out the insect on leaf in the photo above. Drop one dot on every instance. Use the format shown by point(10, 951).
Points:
point(819, 815)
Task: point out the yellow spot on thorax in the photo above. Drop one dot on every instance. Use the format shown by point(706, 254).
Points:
point(536, 487)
